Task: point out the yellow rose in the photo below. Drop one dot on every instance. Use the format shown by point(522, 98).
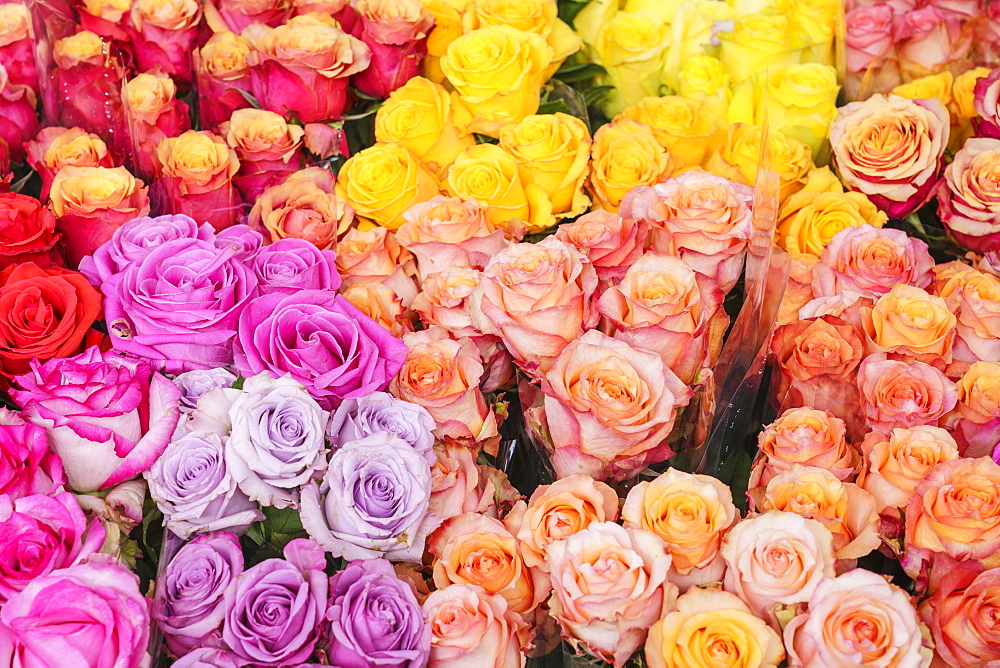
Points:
point(423, 117)
point(224, 56)
point(625, 155)
point(909, 321)
point(703, 77)
point(665, 9)
point(818, 20)
point(15, 23)
point(498, 73)
point(535, 16)
point(934, 85)
point(632, 47)
point(166, 14)
point(761, 41)
point(489, 175)
point(686, 128)
point(819, 180)
point(553, 153)
point(814, 225)
point(961, 106)
point(83, 47)
point(738, 158)
point(384, 180)
point(447, 28)
point(692, 30)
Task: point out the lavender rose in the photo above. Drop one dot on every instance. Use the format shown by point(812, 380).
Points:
point(242, 240)
point(382, 412)
point(372, 502)
point(277, 441)
point(290, 265)
point(87, 616)
point(208, 657)
point(276, 606)
point(191, 591)
point(108, 417)
point(374, 619)
point(194, 489)
point(179, 305)
point(323, 341)
point(193, 384)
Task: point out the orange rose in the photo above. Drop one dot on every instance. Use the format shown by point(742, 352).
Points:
point(804, 436)
point(978, 431)
point(380, 303)
point(896, 463)
point(910, 322)
point(305, 206)
point(623, 156)
point(961, 614)
point(611, 243)
point(374, 256)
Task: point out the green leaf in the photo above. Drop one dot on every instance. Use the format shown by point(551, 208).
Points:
point(282, 520)
point(554, 107)
point(238, 383)
point(568, 9)
point(256, 533)
point(248, 96)
point(582, 72)
point(596, 94)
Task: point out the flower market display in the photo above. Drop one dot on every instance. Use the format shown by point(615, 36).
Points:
point(499, 333)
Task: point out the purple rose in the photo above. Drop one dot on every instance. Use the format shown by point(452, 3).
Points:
point(106, 416)
point(319, 338)
point(244, 241)
point(275, 607)
point(374, 619)
point(87, 616)
point(179, 305)
point(193, 384)
point(193, 487)
point(191, 591)
point(40, 534)
point(138, 238)
point(208, 657)
point(380, 411)
point(290, 265)
point(27, 466)
point(372, 502)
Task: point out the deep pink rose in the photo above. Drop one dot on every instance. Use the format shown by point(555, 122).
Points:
point(396, 32)
point(26, 464)
point(18, 122)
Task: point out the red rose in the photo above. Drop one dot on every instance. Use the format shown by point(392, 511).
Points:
point(27, 232)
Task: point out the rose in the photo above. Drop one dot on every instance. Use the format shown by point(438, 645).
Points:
point(557, 511)
point(761, 41)
point(289, 265)
point(538, 16)
point(624, 156)
point(967, 197)
point(444, 301)
point(326, 344)
point(90, 203)
point(196, 490)
point(380, 303)
point(27, 232)
point(609, 407)
point(274, 609)
point(86, 78)
point(471, 628)
point(372, 501)
point(856, 615)
point(20, 121)
point(155, 112)
point(899, 174)
point(396, 32)
point(703, 77)
point(688, 129)
point(107, 417)
point(962, 106)
point(221, 66)
point(536, 297)
point(896, 463)
point(163, 35)
point(870, 261)
point(374, 618)
point(632, 48)
point(383, 181)
point(611, 243)
point(775, 559)
point(870, 37)
point(979, 408)
point(811, 228)
point(691, 514)
point(194, 384)
point(42, 534)
point(711, 626)
point(798, 292)
point(91, 615)
point(959, 614)
point(458, 485)
point(895, 394)
point(977, 297)
point(986, 93)
point(737, 159)
point(16, 44)
point(380, 412)
point(304, 206)
point(447, 28)
point(26, 464)
point(302, 67)
point(208, 657)
point(242, 240)
point(910, 322)
point(195, 173)
point(238, 14)
point(375, 256)
point(178, 306)
point(269, 150)
point(955, 511)
point(55, 148)
point(932, 40)
point(804, 436)
point(473, 549)
point(423, 117)
point(191, 591)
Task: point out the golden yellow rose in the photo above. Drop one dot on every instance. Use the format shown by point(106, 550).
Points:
point(813, 226)
point(447, 28)
point(934, 85)
point(423, 117)
point(535, 16)
point(819, 180)
point(818, 20)
point(224, 56)
point(626, 155)
point(632, 47)
point(384, 180)
point(553, 153)
point(961, 106)
point(201, 160)
point(498, 72)
point(703, 77)
point(688, 129)
point(738, 158)
point(759, 42)
point(83, 47)
point(74, 147)
point(15, 23)
point(166, 14)
point(911, 322)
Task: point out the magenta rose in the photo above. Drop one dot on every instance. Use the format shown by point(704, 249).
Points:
point(19, 122)
point(27, 466)
point(209, 657)
point(319, 338)
point(290, 265)
point(242, 240)
point(108, 417)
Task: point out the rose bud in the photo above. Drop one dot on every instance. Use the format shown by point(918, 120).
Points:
point(222, 74)
point(396, 32)
point(305, 206)
point(27, 232)
point(16, 47)
point(302, 67)
point(268, 148)
point(90, 203)
point(236, 15)
point(195, 178)
point(19, 122)
point(164, 34)
point(55, 148)
point(27, 466)
point(156, 113)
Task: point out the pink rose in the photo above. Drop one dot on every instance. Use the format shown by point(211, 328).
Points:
point(238, 14)
point(930, 40)
point(164, 35)
point(268, 148)
point(154, 113)
point(610, 242)
point(223, 75)
point(54, 148)
point(26, 464)
point(471, 628)
point(897, 462)
point(457, 484)
point(19, 122)
point(977, 332)
point(444, 300)
point(896, 394)
point(872, 62)
point(960, 614)
point(978, 429)
point(396, 32)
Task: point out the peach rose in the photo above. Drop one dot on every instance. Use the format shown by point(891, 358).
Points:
point(374, 256)
point(269, 149)
point(896, 463)
point(857, 619)
point(955, 511)
point(55, 148)
point(442, 375)
point(609, 585)
point(798, 292)
point(195, 173)
point(536, 297)
point(444, 300)
point(304, 206)
point(804, 436)
point(845, 509)
point(625, 155)
point(611, 243)
point(662, 305)
point(712, 627)
point(692, 514)
point(890, 149)
point(978, 430)
point(961, 614)
point(471, 628)
point(896, 394)
point(777, 558)
point(911, 323)
point(380, 303)
point(977, 296)
point(555, 512)
point(449, 233)
point(457, 486)
point(609, 407)
point(473, 549)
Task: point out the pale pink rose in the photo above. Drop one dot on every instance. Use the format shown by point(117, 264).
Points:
point(777, 558)
point(896, 394)
point(609, 585)
point(857, 618)
point(870, 35)
point(471, 628)
point(380, 303)
point(457, 486)
point(978, 429)
point(962, 8)
point(610, 242)
point(444, 300)
point(536, 297)
point(609, 407)
point(804, 436)
point(931, 39)
point(969, 196)
point(834, 306)
point(374, 256)
point(897, 462)
point(976, 296)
